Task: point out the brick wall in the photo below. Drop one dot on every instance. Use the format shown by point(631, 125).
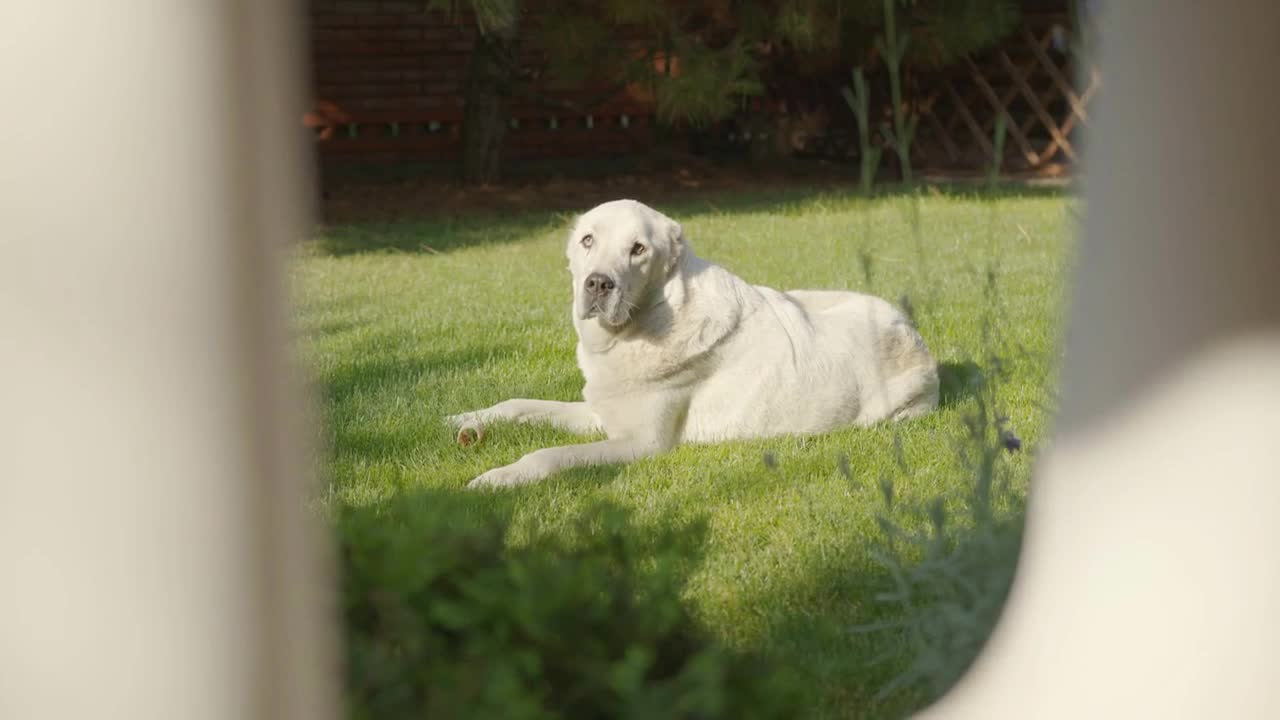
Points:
point(396, 73)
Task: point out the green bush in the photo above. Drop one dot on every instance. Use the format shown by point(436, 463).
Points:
point(447, 617)
point(949, 585)
point(951, 574)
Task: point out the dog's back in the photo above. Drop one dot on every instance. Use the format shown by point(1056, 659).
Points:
point(811, 361)
point(897, 375)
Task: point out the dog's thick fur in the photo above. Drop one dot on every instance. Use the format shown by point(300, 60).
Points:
point(682, 350)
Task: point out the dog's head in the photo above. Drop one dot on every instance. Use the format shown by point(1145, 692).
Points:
point(621, 254)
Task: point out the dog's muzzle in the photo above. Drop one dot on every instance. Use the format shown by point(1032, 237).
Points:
point(601, 296)
point(599, 285)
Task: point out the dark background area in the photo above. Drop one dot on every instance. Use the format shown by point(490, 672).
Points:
point(391, 80)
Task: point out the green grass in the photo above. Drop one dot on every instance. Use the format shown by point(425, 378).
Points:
point(397, 336)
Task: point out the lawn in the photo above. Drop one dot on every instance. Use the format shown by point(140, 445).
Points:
point(403, 323)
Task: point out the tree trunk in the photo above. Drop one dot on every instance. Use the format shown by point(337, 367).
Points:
point(488, 91)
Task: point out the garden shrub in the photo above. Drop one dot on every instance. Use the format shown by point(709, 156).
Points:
point(951, 574)
point(447, 617)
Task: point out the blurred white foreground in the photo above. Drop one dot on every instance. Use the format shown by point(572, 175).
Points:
point(156, 559)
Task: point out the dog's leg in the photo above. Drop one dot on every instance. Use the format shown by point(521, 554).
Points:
point(572, 416)
point(540, 464)
point(644, 426)
point(909, 394)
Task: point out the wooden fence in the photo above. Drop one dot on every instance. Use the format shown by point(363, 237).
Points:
point(390, 77)
point(395, 74)
point(1030, 80)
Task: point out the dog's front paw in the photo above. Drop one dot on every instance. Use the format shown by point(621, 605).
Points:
point(506, 476)
point(495, 478)
point(470, 430)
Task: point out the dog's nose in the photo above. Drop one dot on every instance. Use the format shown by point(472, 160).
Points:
point(599, 284)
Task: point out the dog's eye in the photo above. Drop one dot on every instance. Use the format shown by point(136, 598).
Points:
point(587, 240)
point(637, 250)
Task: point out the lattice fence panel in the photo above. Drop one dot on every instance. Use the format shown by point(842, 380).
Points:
point(1032, 80)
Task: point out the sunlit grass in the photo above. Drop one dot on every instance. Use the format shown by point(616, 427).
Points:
point(402, 324)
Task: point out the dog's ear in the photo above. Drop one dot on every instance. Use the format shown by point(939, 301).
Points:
point(676, 243)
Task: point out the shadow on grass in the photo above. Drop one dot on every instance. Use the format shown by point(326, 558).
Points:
point(438, 230)
point(340, 391)
point(446, 616)
point(958, 381)
point(312, 330)
point(434, 235)
point(352, 378)
point(811, 627)
point(871, 649)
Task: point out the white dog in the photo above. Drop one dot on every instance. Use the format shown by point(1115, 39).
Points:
point(677, 349)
